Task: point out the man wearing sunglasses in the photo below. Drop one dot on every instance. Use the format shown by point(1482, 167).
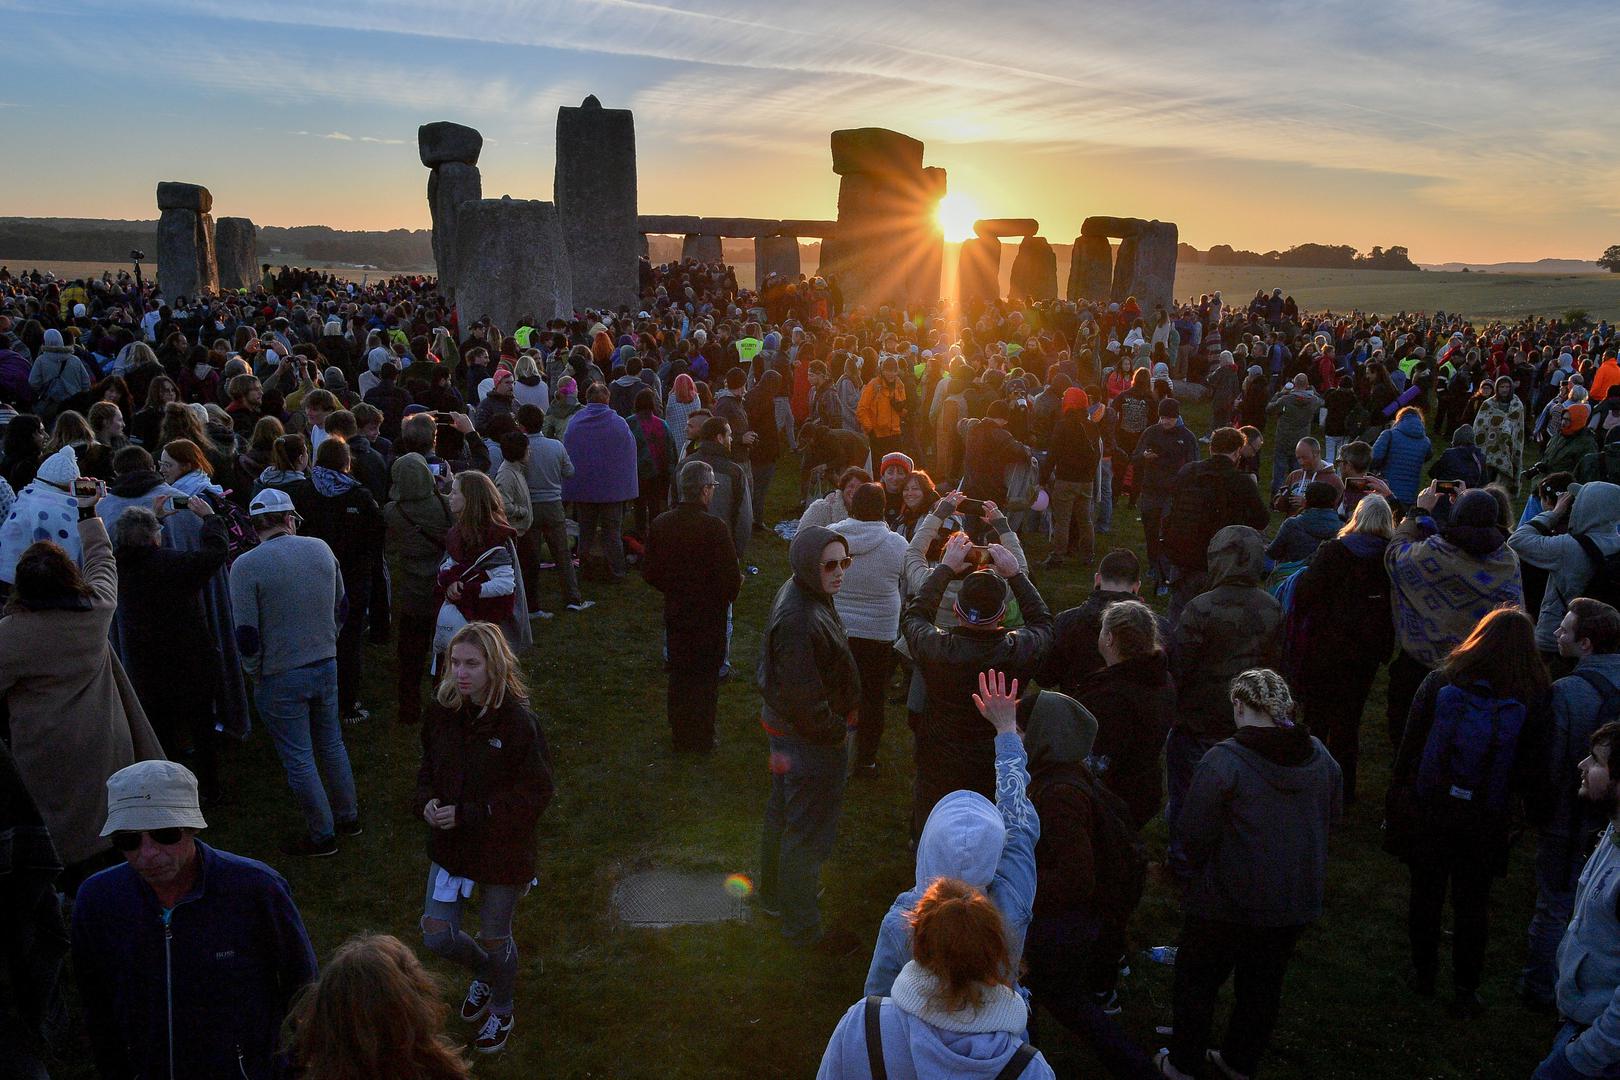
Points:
point(187, 957)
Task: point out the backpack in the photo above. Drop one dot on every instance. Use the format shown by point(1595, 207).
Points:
point(1604, 585)
point(240, 535)
point(872, 1019)
point(1133, 413)
point(1468, 758)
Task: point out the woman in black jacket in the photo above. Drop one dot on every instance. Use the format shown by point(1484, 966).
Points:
point(484, 780)
point(1339, 631)
point(1134, 702)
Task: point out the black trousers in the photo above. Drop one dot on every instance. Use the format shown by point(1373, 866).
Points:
point(875, 661)
point(697, 648)
point(1255, 958)
point(1470, 886)
point(1069, 958)
point(1336, 720)
point(351, 638)
point(944, 767)
point(1405, 674)
point(414, 618)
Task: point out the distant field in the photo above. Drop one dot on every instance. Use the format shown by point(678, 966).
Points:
point(1479, 296)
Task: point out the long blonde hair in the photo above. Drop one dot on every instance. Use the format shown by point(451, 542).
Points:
point(505, 676)
point(1373, 516)
point(374, 1011)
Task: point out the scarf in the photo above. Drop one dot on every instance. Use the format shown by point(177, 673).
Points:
point(1000, 1007)
point(196, 482)
point(331, 483)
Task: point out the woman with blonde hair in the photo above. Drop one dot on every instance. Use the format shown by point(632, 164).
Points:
point(484, 781)
point(375, 1011)
point(183, 422)
point(70, 429)
point(952, 1011)
point(528, 387)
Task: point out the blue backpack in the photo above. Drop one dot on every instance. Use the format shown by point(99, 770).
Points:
point(1467, 762)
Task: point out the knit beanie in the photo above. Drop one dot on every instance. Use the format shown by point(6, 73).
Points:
point(61, 468)
point(982, 600)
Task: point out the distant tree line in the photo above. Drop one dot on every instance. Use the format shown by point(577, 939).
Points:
point(1314, 256)
point(396, 249)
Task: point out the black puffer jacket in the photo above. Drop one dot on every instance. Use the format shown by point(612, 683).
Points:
point(495, 769)
point(1206, 497)
point(806, 674)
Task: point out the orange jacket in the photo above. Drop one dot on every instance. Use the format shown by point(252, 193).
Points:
point(881, 408)
point(1607, 375)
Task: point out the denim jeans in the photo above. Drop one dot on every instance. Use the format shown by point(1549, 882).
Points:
point(300, 709)
point(1153, 509)
point(497, 966)
point(782, 410)
point(552, 525)
point(1558, 868)
point(1282, 463)
point(801, 822)
point(1103, 507)
point(608, 519)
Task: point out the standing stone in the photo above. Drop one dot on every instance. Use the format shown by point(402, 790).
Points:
point(704, 247)
point(595, 189)
point(1153, 279)
point(511, 263)
point(1124, 270)
point(1091, 268)
point(643, 247)
point(443, 142)
point(888, 248)
point(234, 239)
point(1034, 271)
point(185, 241)
point(778, 255)
point(979, 271)
point(449, 186)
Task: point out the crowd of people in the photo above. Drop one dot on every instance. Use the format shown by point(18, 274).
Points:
point(209, 506)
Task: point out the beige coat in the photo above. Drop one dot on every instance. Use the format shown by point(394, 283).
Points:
point(75, 719)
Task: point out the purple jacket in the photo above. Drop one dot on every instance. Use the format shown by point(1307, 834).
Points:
point(603, 451)
point(14, 367)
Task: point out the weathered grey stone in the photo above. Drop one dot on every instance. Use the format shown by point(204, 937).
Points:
point(805, 227)
point(875, 150)
point(1153, 278)
point(1000, 227)
point(185, 255)
point(1119, 227)
point(874, 195)
point(704, 247)
point(442, 142)
point(1124, 269)
point(176, 195)
point(775, 255)
point(669, 224)
point(595, 188)
point(511, 262)
point(449, 186)
point(234, 239)
point(682, 224)
point(979, 271)
point(1034, 271)
point(644, 247)
point(1091, 268)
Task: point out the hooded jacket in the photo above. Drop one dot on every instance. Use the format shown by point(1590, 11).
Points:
point(1399, 453)
point(1298, 537)
point(806, 674)
point(1341, 616)
point(1441, 590)
point(418, 519)
point(1595, 513)
point(869, 601)
point(1250, 844)
point(1589, 963)
point(603, 451)
point(988, 846)
point(1206, 497)
point(1134, 704)
point(1296, 413)
point(1058, 740)
point(1235, 626)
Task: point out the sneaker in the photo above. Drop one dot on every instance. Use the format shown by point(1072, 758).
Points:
point(541, 613)
point(1161, 1061)
point(491, 1038)
point(1124, 966)
point(475, 1006)
point(356, 714)
point(308, 848)
point(351, 828)
point(1222, 1068)
point(769, 908)
point(1107, 1001)
point(581, 605)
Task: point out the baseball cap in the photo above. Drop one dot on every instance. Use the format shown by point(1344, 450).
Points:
point(270, 501)
point(152, 795)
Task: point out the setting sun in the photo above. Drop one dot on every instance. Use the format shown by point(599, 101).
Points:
point(956, 215)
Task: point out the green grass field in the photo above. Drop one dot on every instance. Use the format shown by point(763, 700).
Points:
point(733, 1000)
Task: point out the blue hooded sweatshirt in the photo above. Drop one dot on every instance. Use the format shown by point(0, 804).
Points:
point(991, 847)
point(1399, 454)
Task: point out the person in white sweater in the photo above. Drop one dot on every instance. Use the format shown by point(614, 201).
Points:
point(834, 507)
point(869, 605)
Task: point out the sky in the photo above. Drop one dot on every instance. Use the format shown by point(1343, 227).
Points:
point(1466, 130)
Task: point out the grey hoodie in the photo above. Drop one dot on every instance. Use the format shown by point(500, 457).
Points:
point(1589, 963)
point(1594, 513)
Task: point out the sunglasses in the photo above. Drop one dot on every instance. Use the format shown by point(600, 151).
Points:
point(836, 564)
point(129, 841)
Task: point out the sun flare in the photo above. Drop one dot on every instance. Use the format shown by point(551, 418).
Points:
point(956, 214)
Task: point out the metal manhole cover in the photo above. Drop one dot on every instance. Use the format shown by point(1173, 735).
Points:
point(658, 898)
